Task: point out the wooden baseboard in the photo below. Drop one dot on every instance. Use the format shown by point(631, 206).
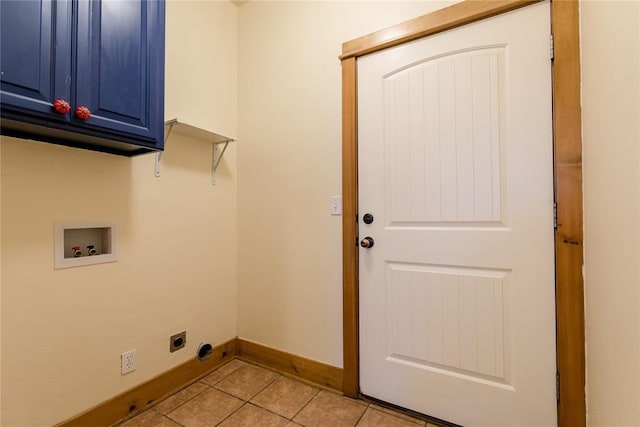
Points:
point(296, 366)
point(139, 398)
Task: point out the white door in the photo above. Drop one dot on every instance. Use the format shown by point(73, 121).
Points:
point(457, 299)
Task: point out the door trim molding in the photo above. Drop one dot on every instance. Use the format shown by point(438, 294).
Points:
point(435, 22)
point(568, 184)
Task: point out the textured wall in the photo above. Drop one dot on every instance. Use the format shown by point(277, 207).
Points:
point(290, 256)
point(63, 330)
point(610, 32)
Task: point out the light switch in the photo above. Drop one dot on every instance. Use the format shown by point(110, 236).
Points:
point(336, 205)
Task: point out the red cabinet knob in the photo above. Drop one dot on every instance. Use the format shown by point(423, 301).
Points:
point(83, 113)
point(61, 106)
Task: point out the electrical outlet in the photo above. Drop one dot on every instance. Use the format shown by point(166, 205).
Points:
point(128, 361)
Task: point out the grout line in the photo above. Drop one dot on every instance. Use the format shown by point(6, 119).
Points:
point(306, 404)
point(231, 413)
point(231, 395)
point(220, 367)
point(241, 398)
point(286, 374)
point(263, 388)
point(362, 402)
point(171, 419)
point(181, 404)
point(268, 410)
point(361, 416)
point(246, 401)
point(199, 381)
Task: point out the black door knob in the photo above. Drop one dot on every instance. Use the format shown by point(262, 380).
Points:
point(367, 242)
point(367, 218)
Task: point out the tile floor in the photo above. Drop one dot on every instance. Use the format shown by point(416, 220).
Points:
point(242, 394)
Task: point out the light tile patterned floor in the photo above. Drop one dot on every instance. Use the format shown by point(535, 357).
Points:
point(239, 394)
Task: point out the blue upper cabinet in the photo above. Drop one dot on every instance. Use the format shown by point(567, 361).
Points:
point(105, 57)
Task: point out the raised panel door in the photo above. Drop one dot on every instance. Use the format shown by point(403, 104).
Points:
point(35, 57)
point(457, 297)
point(119, 67)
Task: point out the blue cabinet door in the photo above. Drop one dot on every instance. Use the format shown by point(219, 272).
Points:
point(106, 55)
point(35, 56)
point(119, 67)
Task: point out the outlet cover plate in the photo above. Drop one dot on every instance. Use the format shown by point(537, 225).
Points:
point(128, 362)
point(177, 341)
point(336, 205)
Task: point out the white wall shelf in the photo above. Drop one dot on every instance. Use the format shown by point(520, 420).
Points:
point(219, 143)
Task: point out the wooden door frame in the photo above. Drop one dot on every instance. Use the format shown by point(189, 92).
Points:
point(568, 184)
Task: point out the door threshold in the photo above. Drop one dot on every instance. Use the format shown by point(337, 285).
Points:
point(408, 412)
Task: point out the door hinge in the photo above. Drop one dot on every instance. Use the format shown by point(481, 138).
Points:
point(557, 385)
point(555, 216)
point(551, 53)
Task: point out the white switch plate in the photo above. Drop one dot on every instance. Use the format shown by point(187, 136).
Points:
point(336, 205)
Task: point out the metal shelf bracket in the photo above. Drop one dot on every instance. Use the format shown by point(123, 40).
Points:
point(168, 126)
point(216, 156)
point(219, 143)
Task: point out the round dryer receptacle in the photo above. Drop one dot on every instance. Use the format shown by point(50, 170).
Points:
point(204, 351)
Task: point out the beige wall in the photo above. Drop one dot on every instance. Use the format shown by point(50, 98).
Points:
point(289, 256)
point(63, 330)
point(290, 265)
point(202, 64)
point(177, 267)
point(611, 132)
